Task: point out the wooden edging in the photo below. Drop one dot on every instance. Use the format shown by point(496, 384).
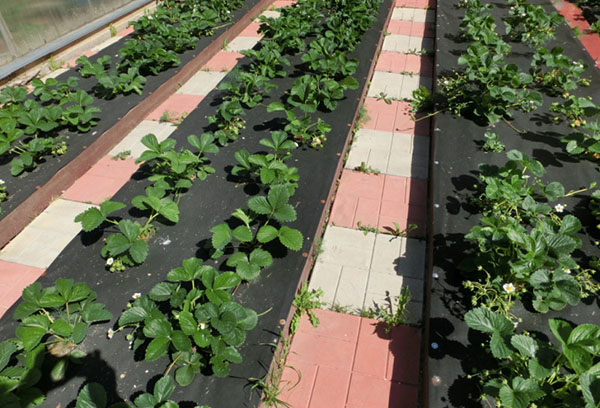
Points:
point(23, 214)
point(328, 202)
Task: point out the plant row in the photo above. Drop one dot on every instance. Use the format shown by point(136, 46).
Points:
point(525, 244)
point(33, 127)
point(192, 316)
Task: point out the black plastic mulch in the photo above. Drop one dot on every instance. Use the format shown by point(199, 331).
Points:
point(21, 187)
point(456, 155)
point(206, 204)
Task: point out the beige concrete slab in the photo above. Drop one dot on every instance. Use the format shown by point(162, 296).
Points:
point(202, 83)
point(241, 43)
point(132, 142)
point(107, 43)
point(271, 13)
point(47, 235)
point(390, 153)
point(406, 44)
point(413, 14)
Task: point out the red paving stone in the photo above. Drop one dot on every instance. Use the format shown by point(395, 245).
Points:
point(297, 382)
point(412, 28)
point(332, 324)
point(176, 105)
point(393, 117)
point(102, 181)
point(251, 30)
point(14, 278)
point(382, 372)
point(379, 201)
point(223, 61)
point(283, 3)
point(400, 63)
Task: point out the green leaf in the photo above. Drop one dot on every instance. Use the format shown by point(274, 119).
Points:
point(260, 205)
point(291, 238)
point(187, 323)
point(181, 341)
point(485, 320)
point(521, 394)
point(570, 225)
point(79, 332)
point(499, 347)
point(266, 233)
point(161, 291)
point(61, 328)
point(524, 344)
point(226, 280)
point(163, 389)
point(90, 219)
point(92, 395)
point(222, 236)
point(275, 106)
point(249, 321)
point(242, 234)
point(158, 347)
point(95, 312)
point(155, 327)
point(134, 314)
point(145, 401)
point(184, 375)
point(139, 251)
point(7, 348)
point(31, 336)
point(561, 244)
point(590, 389)
point(57, 373)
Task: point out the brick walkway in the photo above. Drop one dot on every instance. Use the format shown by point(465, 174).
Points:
point(348, 361)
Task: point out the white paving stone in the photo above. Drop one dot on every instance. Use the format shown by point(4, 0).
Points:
point(391, 263)
point(132, 141)
point(241, 43)
point(413, 14)
point(107, 43)
point(54, 73)
point(46, 236)
point(271, 13)
point(406, 44)
point(391, 153)
point(202, 83)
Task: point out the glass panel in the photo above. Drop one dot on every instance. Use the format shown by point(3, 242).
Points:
point(34, 23)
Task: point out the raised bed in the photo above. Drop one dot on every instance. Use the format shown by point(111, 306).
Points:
point(452, 351)
point(30, 193)
point(206, 204)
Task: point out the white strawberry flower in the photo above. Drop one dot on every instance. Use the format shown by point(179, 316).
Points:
point(136, 295)
point(509, 288)
point(110, 261)
point(110, 333)
point(559, 208)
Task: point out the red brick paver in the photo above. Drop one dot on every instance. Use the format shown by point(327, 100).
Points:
point(13, 279)
point(176, 105)
point(379, 201)
point(575, 18)
point(380, 372)
point(102, 181)
point(401, 63)
point(412, 28)
point(393, 117)
point(223, 61)
point(251, 30)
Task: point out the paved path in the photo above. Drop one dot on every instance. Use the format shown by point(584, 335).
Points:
point(349, 361)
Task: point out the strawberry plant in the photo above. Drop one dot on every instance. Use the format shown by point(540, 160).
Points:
point(575, 109)
point(93, 395)
point(203, 327)
point(268, 169)
point(530, 23)
point(229, 121)
point(557, 72)
point(536, 372)
point(28, 129)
